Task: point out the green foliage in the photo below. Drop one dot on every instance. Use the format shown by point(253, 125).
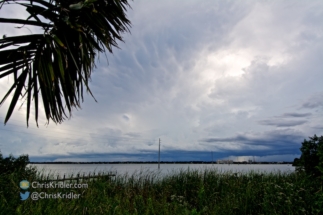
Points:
point(58, 63)
point(184, 192)
point(12, 171)
point(310, 164)
point(11, 164)
point(311, 160)
point(15, 165)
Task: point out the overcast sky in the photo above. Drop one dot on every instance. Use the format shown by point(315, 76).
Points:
point(241, 79)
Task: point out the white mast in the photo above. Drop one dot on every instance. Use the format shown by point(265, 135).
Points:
point(159, 155)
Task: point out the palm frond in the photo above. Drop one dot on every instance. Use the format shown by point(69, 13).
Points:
point(58, 63)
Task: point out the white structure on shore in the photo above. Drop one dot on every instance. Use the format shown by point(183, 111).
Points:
point(224, 161)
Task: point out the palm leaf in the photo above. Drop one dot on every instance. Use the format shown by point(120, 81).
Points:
point(25, 22)
point(58, 63)
point(19, 84)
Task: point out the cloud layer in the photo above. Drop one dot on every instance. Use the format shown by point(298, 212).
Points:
point(236, 78)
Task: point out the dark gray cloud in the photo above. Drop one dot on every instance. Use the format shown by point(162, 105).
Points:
point(282, 141)
point(282, 122)
point(278, 136)
point(296, 115)
point(314, 101)
point(126, 117)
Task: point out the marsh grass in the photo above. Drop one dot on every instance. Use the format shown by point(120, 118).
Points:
point(184, 192)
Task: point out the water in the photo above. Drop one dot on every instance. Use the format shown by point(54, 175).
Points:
point(121, 169)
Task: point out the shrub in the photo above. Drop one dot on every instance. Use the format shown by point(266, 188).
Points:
point(12, 171)
point(311, 160)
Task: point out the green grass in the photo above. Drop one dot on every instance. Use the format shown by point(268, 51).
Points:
point(183, 192)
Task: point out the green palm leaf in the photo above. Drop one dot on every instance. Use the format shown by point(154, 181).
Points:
point(58, 63)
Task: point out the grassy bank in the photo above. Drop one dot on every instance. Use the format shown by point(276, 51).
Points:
point(186, 192)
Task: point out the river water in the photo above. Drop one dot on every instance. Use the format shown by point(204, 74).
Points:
point(130, 169)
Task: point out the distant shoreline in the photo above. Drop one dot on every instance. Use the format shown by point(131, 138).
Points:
point(155, 162)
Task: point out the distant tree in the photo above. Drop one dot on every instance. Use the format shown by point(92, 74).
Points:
point(311, 160)
point(58, 63)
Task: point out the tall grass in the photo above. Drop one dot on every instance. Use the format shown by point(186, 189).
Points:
point(183, 192)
